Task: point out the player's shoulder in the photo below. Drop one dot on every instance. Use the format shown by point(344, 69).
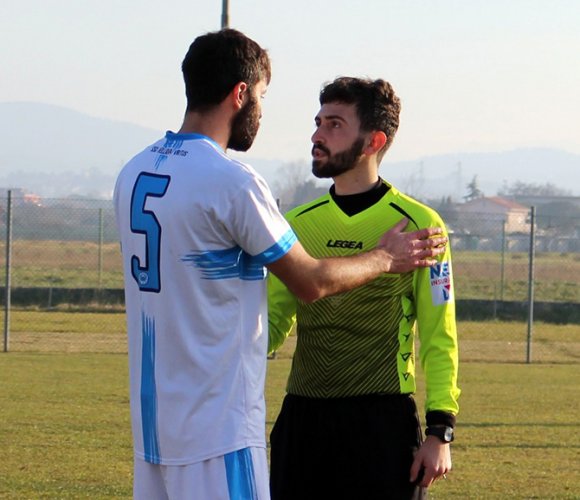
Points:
point(138, 163)
point(419, 213)
point(140, 156)
point(310, 209)
point(243, 170)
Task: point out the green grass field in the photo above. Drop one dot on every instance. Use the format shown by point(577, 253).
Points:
point(478, 275)
point(64, 421)
point(499, 341)
point(65, 430)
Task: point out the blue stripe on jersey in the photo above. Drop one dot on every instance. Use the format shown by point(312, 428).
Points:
point(235, 263)
point(148, 392)
point(277, 250)
point(240, 475)
point(190, 137)
point(224, 264)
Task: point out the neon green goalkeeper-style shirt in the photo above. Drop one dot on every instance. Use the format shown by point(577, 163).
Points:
point(362, 341)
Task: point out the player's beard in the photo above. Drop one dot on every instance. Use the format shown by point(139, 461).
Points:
point(338, 163)
point(245, 126)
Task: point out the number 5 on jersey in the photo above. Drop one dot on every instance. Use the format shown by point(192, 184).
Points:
point(144, 222)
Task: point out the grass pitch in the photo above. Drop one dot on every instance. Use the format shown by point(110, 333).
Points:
point(501, 341)
point(65, 429)
point(478, 275)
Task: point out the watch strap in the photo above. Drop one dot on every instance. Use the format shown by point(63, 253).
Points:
point(444, 433)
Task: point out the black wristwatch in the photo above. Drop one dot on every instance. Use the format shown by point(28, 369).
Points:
point(444, 433)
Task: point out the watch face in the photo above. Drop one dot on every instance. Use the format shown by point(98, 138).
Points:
point(448, 436)
point(445, 434)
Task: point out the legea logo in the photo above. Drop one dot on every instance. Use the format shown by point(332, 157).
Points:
point(344, 244)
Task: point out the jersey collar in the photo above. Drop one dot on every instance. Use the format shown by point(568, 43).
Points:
point(172, 136)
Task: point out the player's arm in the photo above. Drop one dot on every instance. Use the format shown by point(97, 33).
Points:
point(282, 302)
point(397, 252)
point(281, 312)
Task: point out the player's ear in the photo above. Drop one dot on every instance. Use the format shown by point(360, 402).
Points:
point(239, 94)
point(377, 141)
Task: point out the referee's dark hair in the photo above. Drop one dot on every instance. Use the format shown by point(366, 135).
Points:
point(216, 62)
point(377, 105)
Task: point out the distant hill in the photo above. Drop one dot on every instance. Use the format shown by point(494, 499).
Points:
point(55, 152)
point(434, 177)
point(43, 137)
point(448, 175)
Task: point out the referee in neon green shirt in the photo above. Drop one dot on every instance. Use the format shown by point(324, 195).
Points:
point(348, 427)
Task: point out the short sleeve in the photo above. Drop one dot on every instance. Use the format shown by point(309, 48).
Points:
point(256, 224)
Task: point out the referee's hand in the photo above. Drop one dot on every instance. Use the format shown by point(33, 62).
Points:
point(433, 459)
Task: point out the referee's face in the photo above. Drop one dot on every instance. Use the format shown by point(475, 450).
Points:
point(337, 140)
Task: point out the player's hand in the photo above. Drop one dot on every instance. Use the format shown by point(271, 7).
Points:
point(434, 461)
point(408, 251)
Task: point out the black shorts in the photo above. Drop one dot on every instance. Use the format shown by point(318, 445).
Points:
point(355, 448)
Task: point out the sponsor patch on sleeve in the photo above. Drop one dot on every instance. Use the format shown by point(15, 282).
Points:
point(440, 279)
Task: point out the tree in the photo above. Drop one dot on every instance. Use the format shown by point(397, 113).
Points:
point(446, 208)
point(289, 177)
point(473, 191)
point(559, 216)
point(295, 186)
point(519, 188)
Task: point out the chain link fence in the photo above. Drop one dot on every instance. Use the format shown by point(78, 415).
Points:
point(517, 285)
point(64, 274)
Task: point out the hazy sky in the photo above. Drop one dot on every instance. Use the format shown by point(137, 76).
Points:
point(473, 75)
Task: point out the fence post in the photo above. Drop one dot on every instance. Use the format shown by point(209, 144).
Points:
point(7, 292)
point(100, 247)
point(531, 283)
point(502, 270)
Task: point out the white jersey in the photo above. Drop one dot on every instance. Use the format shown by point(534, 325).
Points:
point(196, 230)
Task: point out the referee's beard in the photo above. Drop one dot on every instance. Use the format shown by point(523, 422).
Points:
point(339, 163)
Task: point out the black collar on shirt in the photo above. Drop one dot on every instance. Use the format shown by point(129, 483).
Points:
point(352, 204)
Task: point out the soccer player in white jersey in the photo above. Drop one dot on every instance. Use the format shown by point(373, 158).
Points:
point(197, 231)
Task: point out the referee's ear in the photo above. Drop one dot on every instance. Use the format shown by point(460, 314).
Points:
point(377, 141)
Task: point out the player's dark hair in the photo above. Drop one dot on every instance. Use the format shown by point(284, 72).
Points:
point(377, 105)
point(216, 62)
